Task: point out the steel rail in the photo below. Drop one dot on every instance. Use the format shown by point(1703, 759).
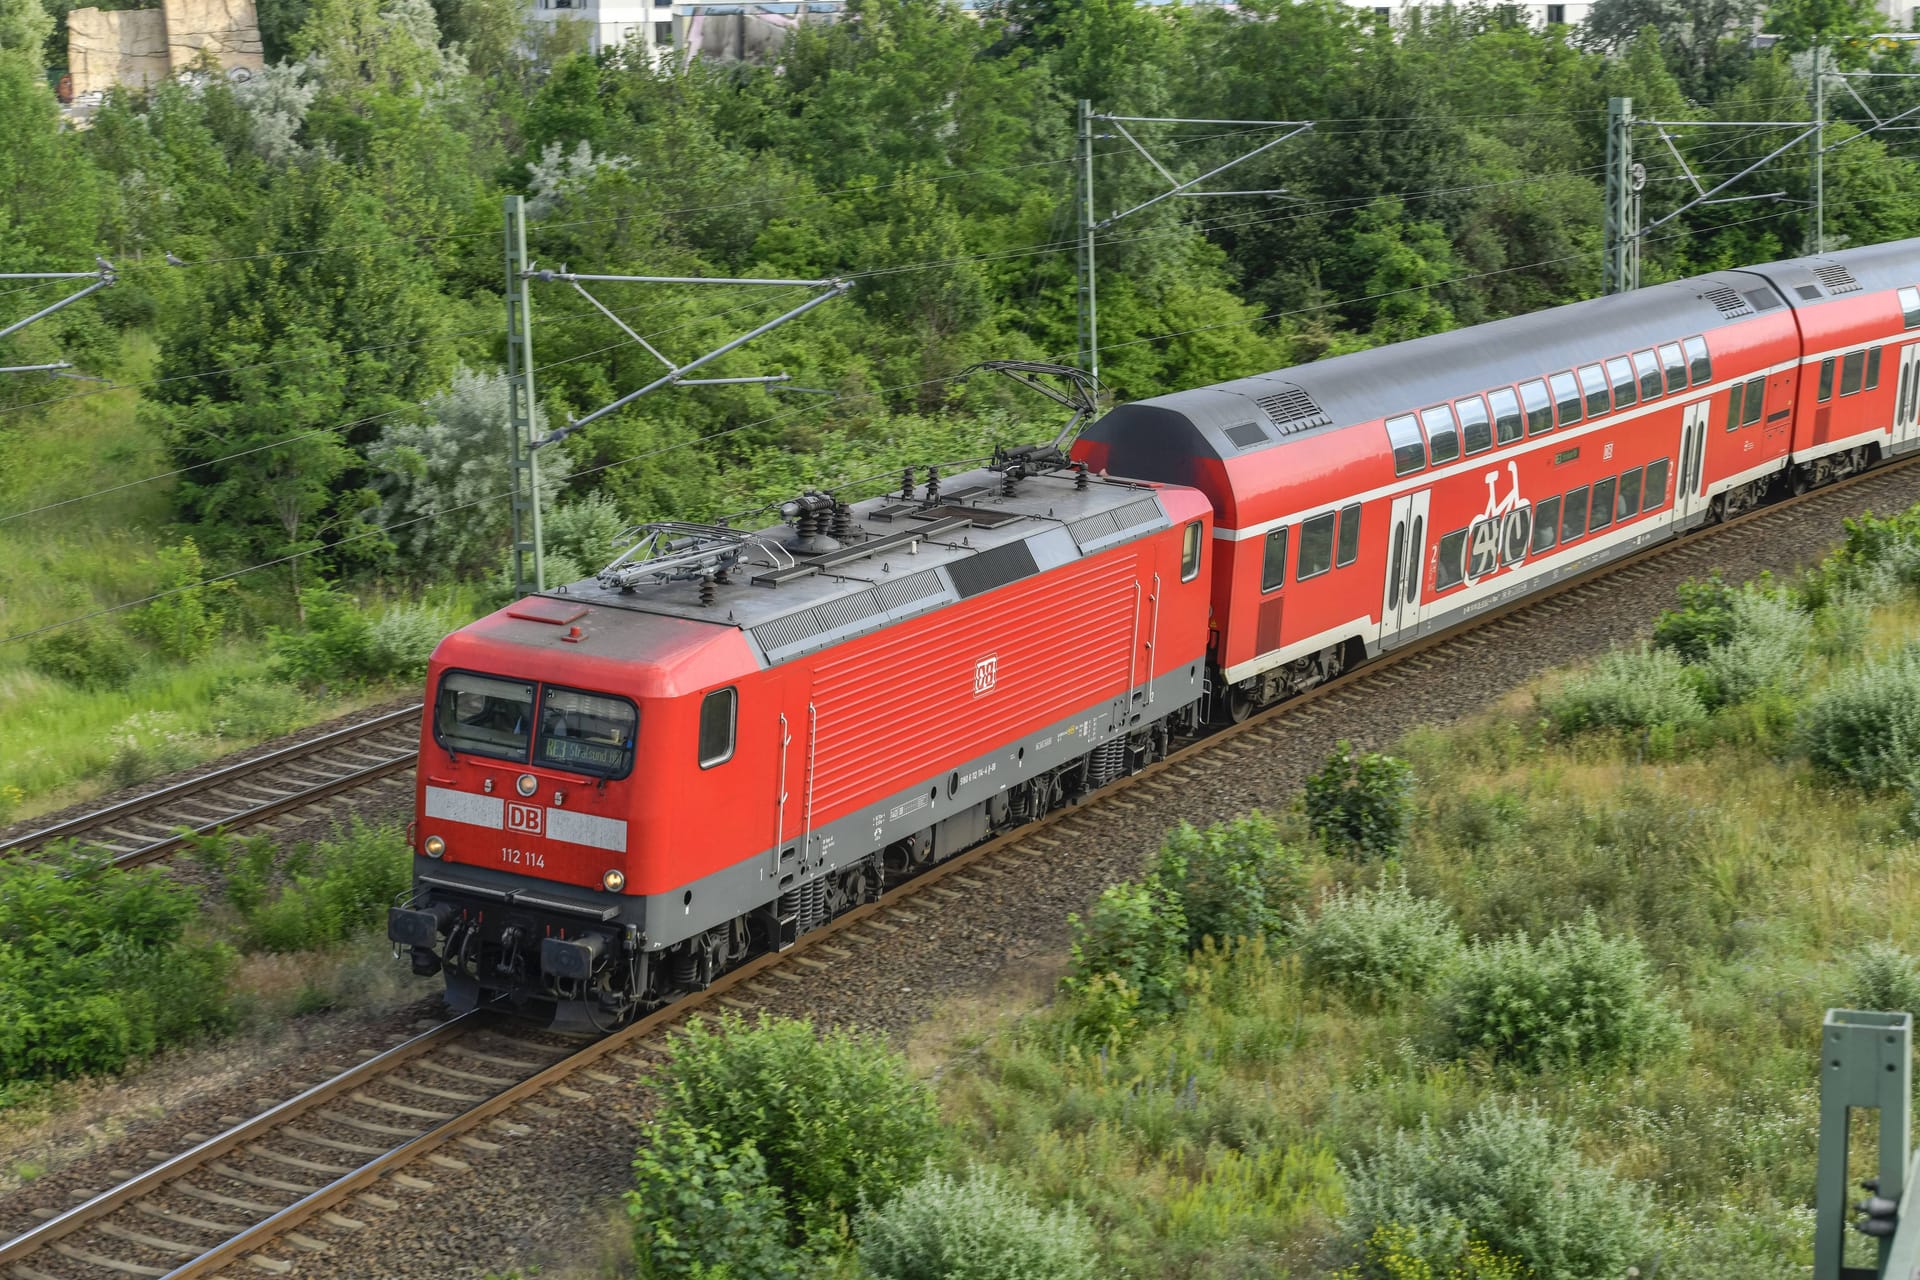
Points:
point(192, 786)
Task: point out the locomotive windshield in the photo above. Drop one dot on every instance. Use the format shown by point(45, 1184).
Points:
point(484, 715)
point(586, 732)
point(580, 732)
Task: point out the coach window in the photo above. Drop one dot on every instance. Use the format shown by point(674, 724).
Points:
point(1593, 380)
point(1273, 574)
point(1826, 379)
point(1699, 363)
point(1627, 505)
point(1476, 428)
point(717, 715)
point(1573, 516)
point(1349, 549)
point(1675, 362)
point(1625, 389)
point(1190, 553)
point(1443, 439)
point(1546, 525)
point(1647, 365)
point(1409, 453)
point(1602, 504)
point(1910, 307)
point(1539, 407)
point(1852, 369)
point(1656, 490)
point(1733, 407)
point(1448, 568)
point(1757, 398)
point(484, 715)
point(586, 732)
point(1873, 368)
point(1566, 398)
point(1316, 547)
point(1506, 413)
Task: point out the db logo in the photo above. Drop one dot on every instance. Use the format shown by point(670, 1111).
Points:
point(984, 672)
point(524, 817)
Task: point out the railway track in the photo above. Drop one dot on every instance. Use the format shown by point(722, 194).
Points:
point(472, 1086)
point(149, 827)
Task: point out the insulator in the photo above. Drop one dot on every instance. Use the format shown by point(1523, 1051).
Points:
point(1080, 477)
point(1008, 479)
point(906, 484)
point(706, 593)
point(933, 485)
point(842, 521)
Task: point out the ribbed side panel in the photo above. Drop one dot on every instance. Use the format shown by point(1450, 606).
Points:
point(906, 708)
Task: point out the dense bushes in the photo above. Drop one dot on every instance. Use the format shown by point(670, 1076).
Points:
point(1376, 944)
point(342, 645)
point(85, 654)
point(97, 967)
point(834, 1116)
point(1506, 1181)
point(1360, 802)
point(1234, 880)
point(1574, 998)
point(327, 892)
point(1864, 726)
point(700, 1207)
point(1884, 979)
point(1626, 689)
point(976, 1228)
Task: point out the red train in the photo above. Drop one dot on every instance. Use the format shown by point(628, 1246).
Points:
point(726, 738)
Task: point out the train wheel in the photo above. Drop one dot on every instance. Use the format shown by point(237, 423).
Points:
point(1240, 704)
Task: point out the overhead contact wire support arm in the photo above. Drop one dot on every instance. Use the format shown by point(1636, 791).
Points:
point(101, 279)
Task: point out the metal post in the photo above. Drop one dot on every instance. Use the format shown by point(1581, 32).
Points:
point(1816, 236)
point(1865, 1061)
point(525, 470)
point(1089, 335)
point(1620, 233)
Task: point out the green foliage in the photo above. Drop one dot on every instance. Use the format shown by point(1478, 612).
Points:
point(1360, 802)
point(332, 649)
point(1507, 1179)
point(701, 1208)
point(185, 621)
point(1376, 945)
point(975, 1228)
point(342, 887)
point(1575, 997)
point(402, 639)
point(98, 967)
point(86, 655)
point(1863, 727)
point(1884, 979)
point(1234, 880)
point(1642, 689)
point(1134, 937)
point(256, 708)
point(1703, 621)
point(835, 1115)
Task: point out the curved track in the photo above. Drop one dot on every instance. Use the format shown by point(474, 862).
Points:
point(257, 1190)
point(148, 827)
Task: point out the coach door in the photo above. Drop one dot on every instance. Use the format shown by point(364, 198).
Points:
point(1400, 601)
point(1693, 452)
point(1906, 402)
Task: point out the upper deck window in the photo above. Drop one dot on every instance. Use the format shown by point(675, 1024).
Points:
point(1910, 307)
point(1443, 438)
point(1539, 406)
point(586, 733)
point(484, 715)
point(1647, 365)
point(1409, 451)
point(1506, 413)
point(1625, 388)
point(1566, 398)
point(1699, 363)
point(1593, 380)
point(1476, 429)
point(1675, 362)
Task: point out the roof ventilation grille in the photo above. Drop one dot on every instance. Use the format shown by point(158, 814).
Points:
point(1728, 299)
point(1247, 435)
point(1293, 410)
point(1837, 279)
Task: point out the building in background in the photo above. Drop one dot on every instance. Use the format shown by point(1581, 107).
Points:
point(140, 47)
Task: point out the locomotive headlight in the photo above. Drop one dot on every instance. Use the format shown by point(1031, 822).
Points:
point(614, 880)
point(435, 847)
point(527, 784)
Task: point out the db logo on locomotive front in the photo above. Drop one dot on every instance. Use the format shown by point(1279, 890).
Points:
point(525, 817)
point(984, 673)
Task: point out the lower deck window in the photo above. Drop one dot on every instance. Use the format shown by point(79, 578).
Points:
point(1450, 566)
point(1656, 488)
point(1627, 504)
point(1573, 516)
point(1546, 525)
point(1602, 505)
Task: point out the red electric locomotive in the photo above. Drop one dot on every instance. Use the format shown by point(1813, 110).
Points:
point(1370, 499)
point(727, 737)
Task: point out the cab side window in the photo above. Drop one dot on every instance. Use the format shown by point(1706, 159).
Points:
point(717, 714)
point(1273, 573)
point(1190, 552)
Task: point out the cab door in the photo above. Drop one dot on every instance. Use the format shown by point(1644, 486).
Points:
point(1401, 602)
point(1691, 469)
